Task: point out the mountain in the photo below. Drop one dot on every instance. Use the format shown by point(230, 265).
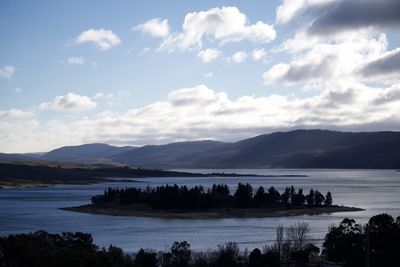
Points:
point(17, 157)
point(84, 153)
point(380, 155)
point(170, 155)
point(290, 149)
point(293, 149)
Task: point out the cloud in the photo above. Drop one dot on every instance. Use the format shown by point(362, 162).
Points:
point(15, 114)
point(70, 102)
point(208, 55)
point(224, 25)
point(355, 14)
point(7, 72)
point(288, 9)
point(209, 75)
point(239, 57)
point(258, 54)
point(386, 66)
point(199, 112)
point(76, 60)
point(327, 60)
point(198, 95)
point(322, 68)
point(155, 27)
point(103, 39)
point(291, 9)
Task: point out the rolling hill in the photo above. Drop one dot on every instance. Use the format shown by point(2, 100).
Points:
point(85, 153)
point(293, 149)
point(174, 155)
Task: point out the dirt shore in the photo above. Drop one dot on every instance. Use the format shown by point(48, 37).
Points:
point(209, 214)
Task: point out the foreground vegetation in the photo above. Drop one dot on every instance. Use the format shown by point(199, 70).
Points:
point(349, 244)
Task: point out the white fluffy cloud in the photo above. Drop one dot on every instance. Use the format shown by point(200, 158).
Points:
point(103, 39)
point(258, 54)
point(239, 57)
point(226, 24)
point(15, 114)
point(70, 102)
point(76, 60)
point(7, 72)
point(155, 27)
point(327, 59)
point(208, 55)
point(288, 10)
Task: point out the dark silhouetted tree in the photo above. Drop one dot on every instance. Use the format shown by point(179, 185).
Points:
point(298, 199)
point(310, 198)
point(227, 255)
point(384, 238)
point(345, 243)
point(243, 195)
point(319, 198)
point(328, 199)
point(256, 259)
point(145, 259)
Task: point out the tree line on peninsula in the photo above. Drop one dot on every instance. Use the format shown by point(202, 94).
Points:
point(218, 196)
point(349, 245)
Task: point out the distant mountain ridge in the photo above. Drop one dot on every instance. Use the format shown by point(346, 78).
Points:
point(169, 155)
point(85, 153)
point(282, 149)
point(293, 149)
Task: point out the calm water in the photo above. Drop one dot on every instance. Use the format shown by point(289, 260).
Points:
point(26, 210)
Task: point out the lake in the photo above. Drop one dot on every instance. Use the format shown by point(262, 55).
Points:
point(26, 210)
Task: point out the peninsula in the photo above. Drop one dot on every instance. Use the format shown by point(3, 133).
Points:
point(43, 173)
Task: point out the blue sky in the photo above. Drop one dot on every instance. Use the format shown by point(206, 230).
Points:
point(125, 72)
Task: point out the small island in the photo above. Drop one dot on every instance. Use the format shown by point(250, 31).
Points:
point(181, 202)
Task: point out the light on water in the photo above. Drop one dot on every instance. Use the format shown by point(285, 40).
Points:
point(25, 210)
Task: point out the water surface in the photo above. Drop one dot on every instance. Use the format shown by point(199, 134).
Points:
point(26, 210)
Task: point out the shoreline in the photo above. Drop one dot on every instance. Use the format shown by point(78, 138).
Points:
point(209, 214)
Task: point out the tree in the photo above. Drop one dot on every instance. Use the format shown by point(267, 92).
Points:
point(256, 259)
point(181, 253)
point(328, 199)
point(302, 256)
point(243, 195)
point(145, 259)
point(299, 199)
point(227, 255)
point(285, 197)
point(384, 236)
point(319, 198)
point(310, 197)
point(299, 235)
point(273, 195)
point(260, 198)
point(345, 243)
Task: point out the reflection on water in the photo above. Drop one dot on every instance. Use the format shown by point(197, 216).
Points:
point(26, 210)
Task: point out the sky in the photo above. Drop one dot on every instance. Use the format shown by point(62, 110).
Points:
point(154, 72)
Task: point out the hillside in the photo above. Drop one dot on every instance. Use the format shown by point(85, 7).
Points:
point(294, 149)
point(84, 153)
point(305, 149)
point(170, 155)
